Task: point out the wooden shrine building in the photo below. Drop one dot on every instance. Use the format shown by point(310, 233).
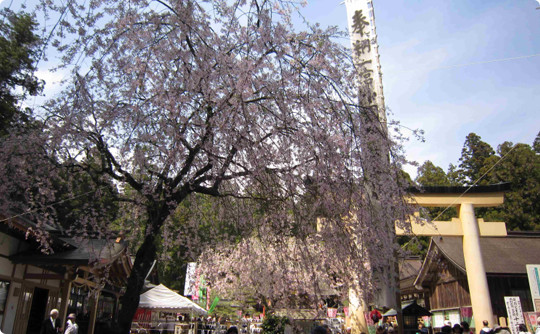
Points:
point(443, 276)
point(85, 277)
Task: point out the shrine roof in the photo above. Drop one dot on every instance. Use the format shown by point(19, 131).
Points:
point(88, 251)
point(501, 255)
point(507, 255)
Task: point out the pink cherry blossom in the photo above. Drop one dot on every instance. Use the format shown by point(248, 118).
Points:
point(177, 100)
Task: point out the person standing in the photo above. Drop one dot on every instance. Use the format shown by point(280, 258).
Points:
point(422, 328)
point(523, 329)
point(375, 315)
point(386, 323)
point(466, 328)
point(457, 329)
point(486, 329)
point(51, 325)
point(72, 327)
point(500, 330)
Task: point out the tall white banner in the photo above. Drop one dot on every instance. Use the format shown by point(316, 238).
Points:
point(190, 288)
point(515, 313)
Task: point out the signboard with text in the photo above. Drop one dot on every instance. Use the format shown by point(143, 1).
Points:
point(515, 313)
point(533, 273)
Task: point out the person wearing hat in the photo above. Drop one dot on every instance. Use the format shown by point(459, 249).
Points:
point(71, 327)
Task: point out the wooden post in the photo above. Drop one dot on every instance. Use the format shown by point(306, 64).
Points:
point(93, 313)
point(65, 293)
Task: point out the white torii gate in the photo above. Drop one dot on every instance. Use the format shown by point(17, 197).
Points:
point(471, 229)
point(466, 226)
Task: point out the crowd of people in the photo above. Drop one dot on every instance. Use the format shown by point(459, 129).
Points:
point(464, 328)
point(53, 325)
point(387, 327)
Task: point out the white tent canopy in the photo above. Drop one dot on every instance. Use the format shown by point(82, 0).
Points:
point(164, 299)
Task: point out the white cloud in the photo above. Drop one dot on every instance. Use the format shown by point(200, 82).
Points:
point(53, 81)
point(53, 85)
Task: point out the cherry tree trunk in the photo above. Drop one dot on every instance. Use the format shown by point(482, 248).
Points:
point(130, 301)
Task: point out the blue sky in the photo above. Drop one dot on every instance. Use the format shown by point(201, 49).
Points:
point(449, 68)
point(442, 74)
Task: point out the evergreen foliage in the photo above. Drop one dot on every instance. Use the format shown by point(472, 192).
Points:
point(517, 164)
point(521, 168)
point(19, 50)
point(431, 175)
point(273, 324)
point(474, 154)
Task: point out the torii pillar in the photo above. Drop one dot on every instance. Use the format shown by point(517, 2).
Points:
point(470, 228)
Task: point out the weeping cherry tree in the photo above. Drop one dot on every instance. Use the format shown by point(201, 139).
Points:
point(229, 99)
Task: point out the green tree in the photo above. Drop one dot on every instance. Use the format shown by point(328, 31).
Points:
point(19, 55)
point(273, 324)
point(431, 175)
point(428, 175)
point(454, 176)
point(415, 245)
point(210, 227)
point(520, 166)
point(19, 51)
point(473, 159)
